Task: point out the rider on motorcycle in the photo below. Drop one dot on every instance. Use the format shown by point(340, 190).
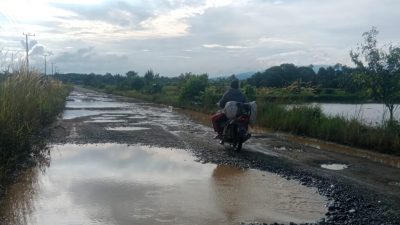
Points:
point(233, 94)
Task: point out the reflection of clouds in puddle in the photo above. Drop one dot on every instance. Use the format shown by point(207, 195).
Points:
point(76, 113)
point(136, 184)
point(72, 114)
point(334, 166)
point(145, 163)
point(104, 118)
point(127, 128)
point(105, 121)
point(97, 104)
point(137, 117)
point(113, 115)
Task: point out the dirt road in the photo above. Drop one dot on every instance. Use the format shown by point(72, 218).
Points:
point(115, 160)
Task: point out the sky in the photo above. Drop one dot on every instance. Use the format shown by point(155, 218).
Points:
point(217, 37)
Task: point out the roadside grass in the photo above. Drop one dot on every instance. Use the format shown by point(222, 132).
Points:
point(27, 104)
point(310, 121)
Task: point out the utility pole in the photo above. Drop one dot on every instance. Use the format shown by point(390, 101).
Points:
point(11, 65)
point(45, 64)
point(27, 51)
point(52, 68)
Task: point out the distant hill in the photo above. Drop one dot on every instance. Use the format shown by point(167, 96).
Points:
point(244, 76)
point(240, 76)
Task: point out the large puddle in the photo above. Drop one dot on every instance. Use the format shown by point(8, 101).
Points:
point(121, 184)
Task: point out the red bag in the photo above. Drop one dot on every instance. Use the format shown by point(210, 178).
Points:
point(217, 119)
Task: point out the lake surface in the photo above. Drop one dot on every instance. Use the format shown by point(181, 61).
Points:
point(372, 113)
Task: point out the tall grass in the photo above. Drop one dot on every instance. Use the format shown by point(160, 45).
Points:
point(310, 121)
point(27, 104)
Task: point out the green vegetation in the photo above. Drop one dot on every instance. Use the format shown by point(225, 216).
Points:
point(310, 121)
point(380, 77)
point(199, 93)
point(27, 104)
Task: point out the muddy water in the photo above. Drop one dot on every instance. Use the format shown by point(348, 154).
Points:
point(139, 184)
point(121, 184)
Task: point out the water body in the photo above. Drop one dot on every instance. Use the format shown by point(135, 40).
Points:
point(372, 114)
point(121, 184)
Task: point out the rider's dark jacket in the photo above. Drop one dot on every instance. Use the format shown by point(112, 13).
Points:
point(232, 94)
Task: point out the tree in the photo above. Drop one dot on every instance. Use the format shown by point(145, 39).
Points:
point(133, 81)
point(193, 88)
point(149, 76)
point(250, 92)
point(378, 70)
point(131, 74)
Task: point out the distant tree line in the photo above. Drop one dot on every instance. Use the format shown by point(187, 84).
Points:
point(337, 76)
point(150, 82)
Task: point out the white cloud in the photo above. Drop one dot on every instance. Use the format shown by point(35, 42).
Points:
point(214, 36)
point(37, 50)
point(269, 40)
point(223, 46)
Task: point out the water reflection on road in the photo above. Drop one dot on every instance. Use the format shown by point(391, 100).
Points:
point(121, 184)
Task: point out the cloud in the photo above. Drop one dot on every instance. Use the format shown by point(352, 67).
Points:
point(323, 56)
point(174, 36)
point(31, 44)
point(270, 40)
point(88, 59)
point(37, 50)
point(121, 20)
point(223, 46)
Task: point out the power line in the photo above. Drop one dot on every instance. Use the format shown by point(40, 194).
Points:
point(27, 50)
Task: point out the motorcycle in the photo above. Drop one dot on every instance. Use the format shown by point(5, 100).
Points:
point(235, 131)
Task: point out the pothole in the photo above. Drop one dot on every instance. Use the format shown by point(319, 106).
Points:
point(334, 166)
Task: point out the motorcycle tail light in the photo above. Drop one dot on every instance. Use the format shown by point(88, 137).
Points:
point(243, 119)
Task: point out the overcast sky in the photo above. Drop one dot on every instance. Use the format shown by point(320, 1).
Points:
point(201, 36)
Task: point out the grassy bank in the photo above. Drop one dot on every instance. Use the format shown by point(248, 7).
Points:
point(311, 122)
point(27, 104)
